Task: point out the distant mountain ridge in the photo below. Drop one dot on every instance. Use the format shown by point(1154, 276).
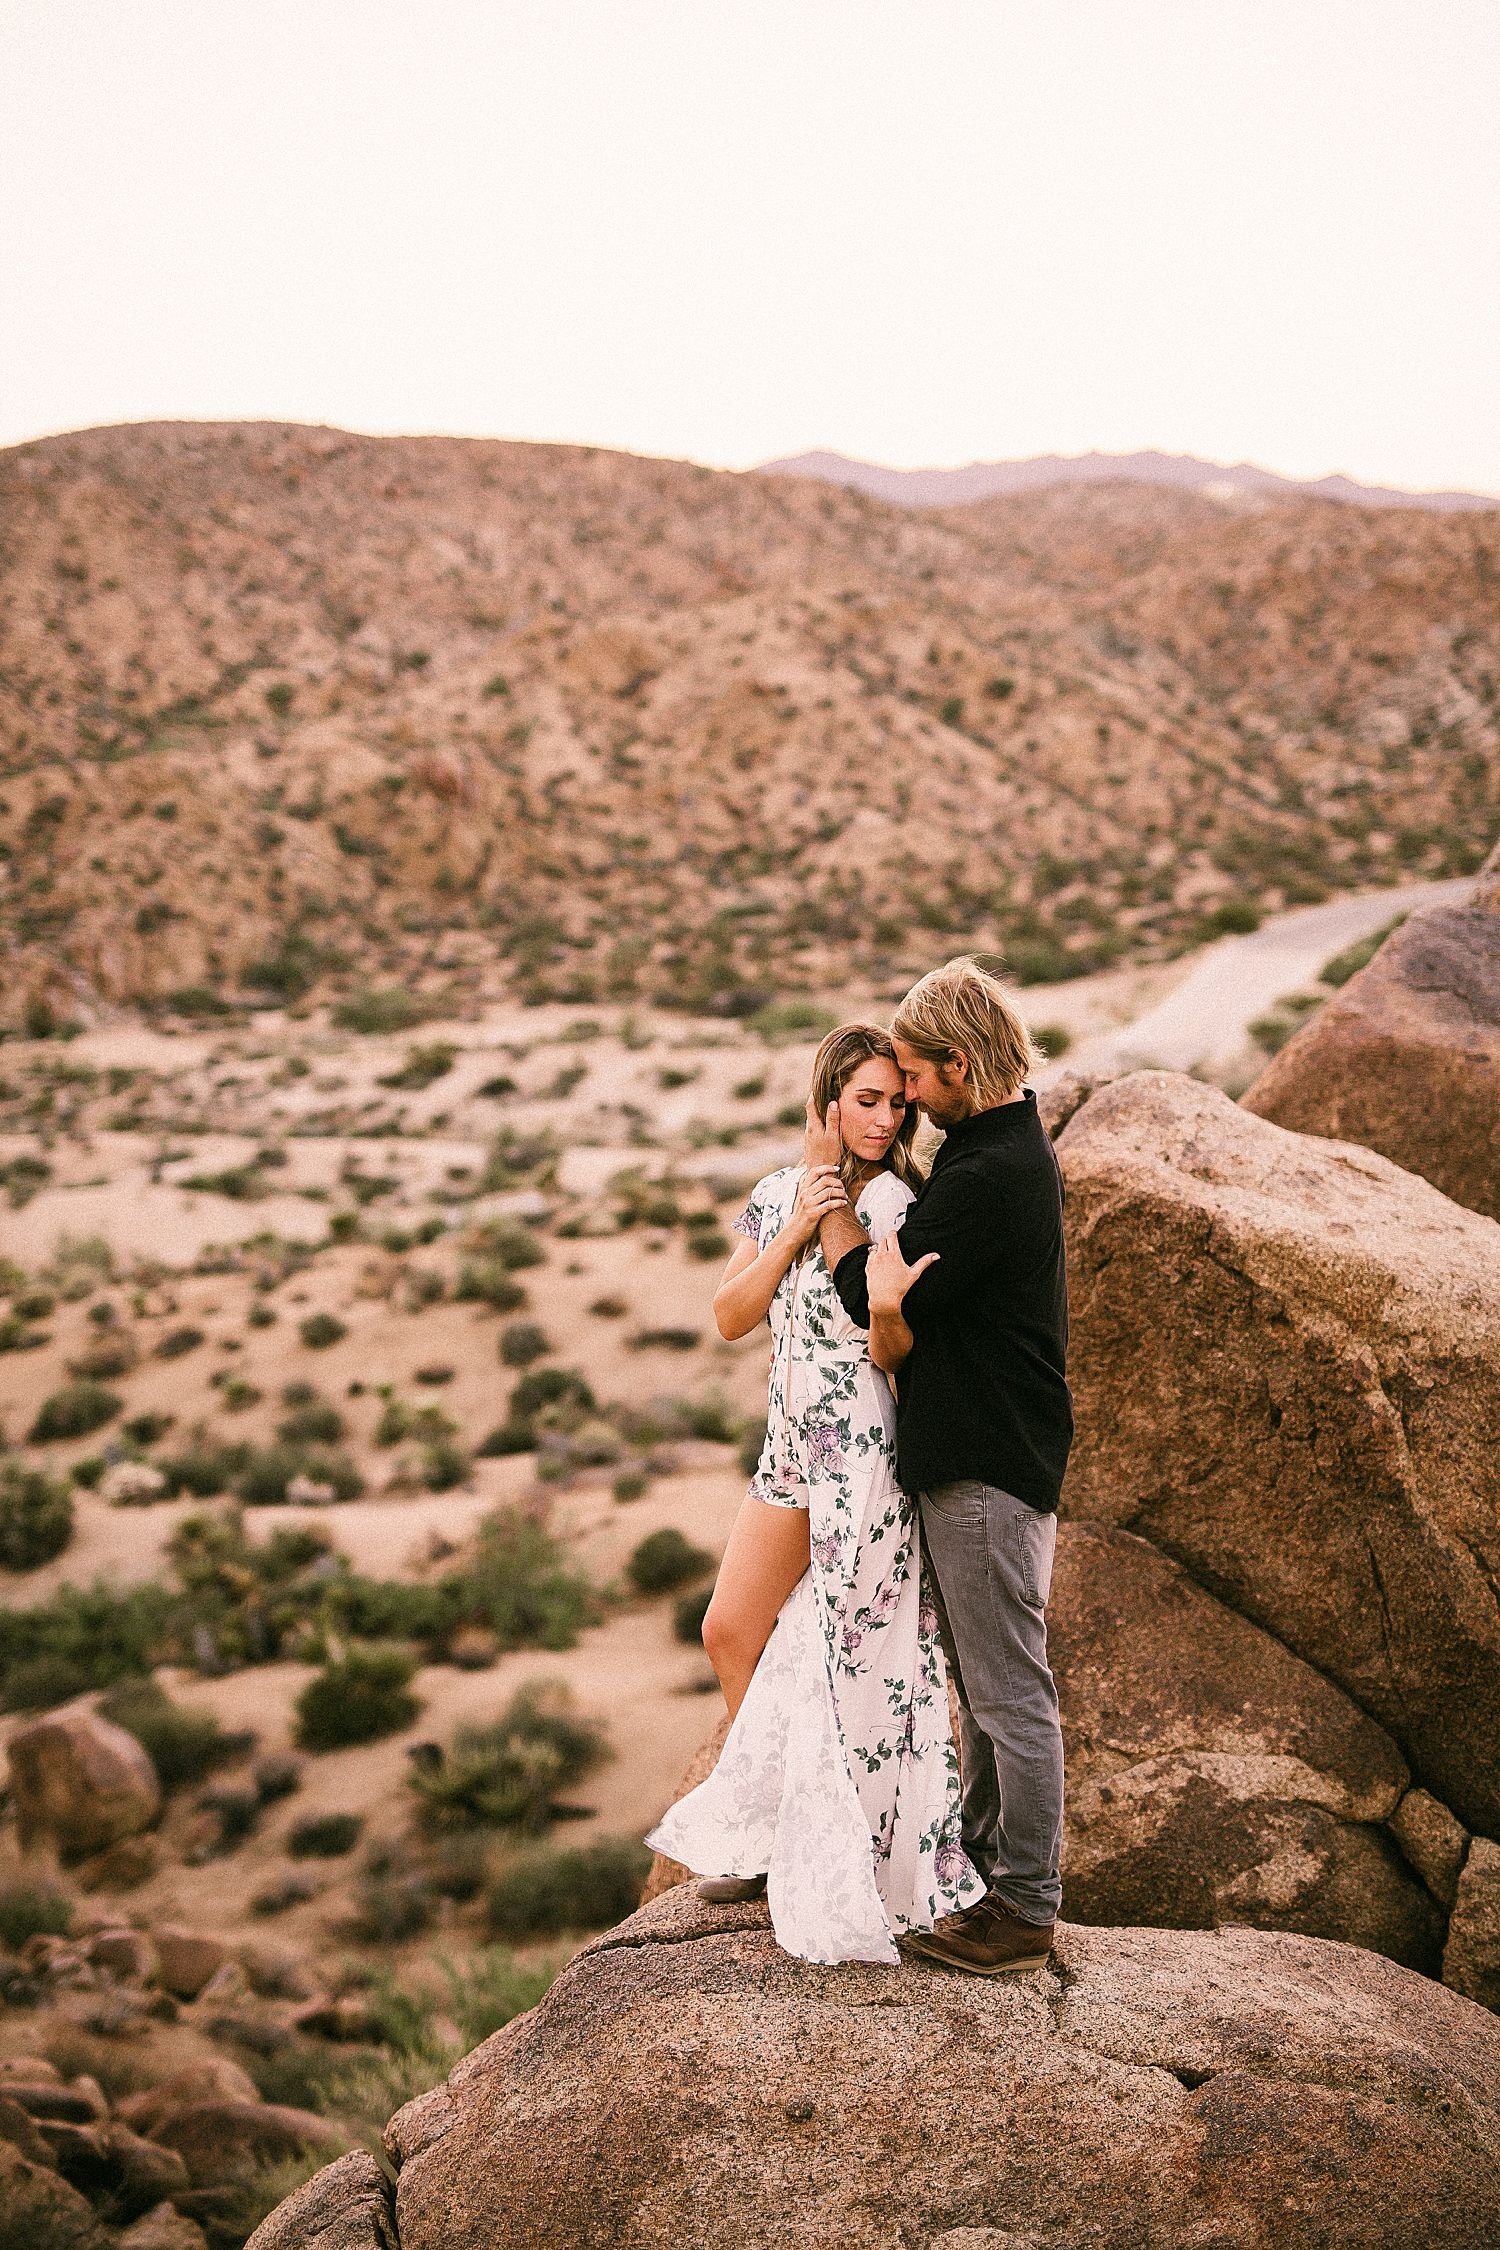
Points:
point(1183, 472)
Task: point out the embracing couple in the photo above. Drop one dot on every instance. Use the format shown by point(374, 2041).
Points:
point(900, 1525)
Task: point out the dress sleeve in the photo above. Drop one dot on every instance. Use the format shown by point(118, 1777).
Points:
point(884, 1204)
point(749, 1221)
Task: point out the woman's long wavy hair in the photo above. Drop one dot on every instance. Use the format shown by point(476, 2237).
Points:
point(834, 1065)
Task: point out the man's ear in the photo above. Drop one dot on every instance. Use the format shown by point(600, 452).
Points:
point(957, 1066)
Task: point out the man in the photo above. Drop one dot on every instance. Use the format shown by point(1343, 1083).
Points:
point(967, 1308)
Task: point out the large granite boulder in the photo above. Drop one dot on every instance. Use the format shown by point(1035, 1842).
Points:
point(1406, 1057)
point(1285, 1363)
point(346, 2206)
point(1212, 1775)
point(687, 2086)
point(80, 1781)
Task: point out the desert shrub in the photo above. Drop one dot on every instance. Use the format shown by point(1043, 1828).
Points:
point(510, 1242)
point(585, 1888)
point(392, 1906)
point(262, 1481)
point(324, 1835)
point(665, 1560)
point(1054, 1039)
point(609, 1308)
point(422, 1286)
point(486, 1281)
point(237, 1811)
point(1234, 917)
point(750, 1089)
point(18, 1335)
point(89, 1472)
point(320, 1329)
point(1272, 1030)
point(205, 1467)
point(707, 1241)
point(281, 1893)
point(688, 1613)
point(398, 1421)
point(277, 1777)
point(182, 1744)
point(507, 1775)
point(515, 1157)
point(236, 1395)
point(73, 1412)
point(423, 1067)
point(32, 1910)
point(379, 1009)
point(36, 1517)
point(105, 1361)
point(522, 1342)
point(630, 1484)
point(554, 1399)
point(88, 1636)
point(445, 1465)
point(315, 1423)
point(435, 1375)
point(177, 1341)
point(145, 1429)
point(359, 1698)
point(666, 1339)
point(261, 1315)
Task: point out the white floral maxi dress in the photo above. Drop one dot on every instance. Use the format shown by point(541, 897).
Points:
point(839, 1778)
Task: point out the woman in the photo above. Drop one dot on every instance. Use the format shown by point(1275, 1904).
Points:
point(837, 1788)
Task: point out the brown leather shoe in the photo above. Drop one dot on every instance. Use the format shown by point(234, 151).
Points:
point(987, 1940)
point(731, 1890)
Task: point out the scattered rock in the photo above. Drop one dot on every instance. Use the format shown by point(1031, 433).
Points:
point(215, 2078)
point(80, 1782)
point(188, 1959)
point(1060, 1100)
point(124, 1867)
point(1406, 1057)
point(1284, 1366)
point(346, 2206)
point(20, 2128)
point(686, 2085)
point(218, 2139)
point(126, 1954)
point(78, 2103)
point(39, 2211)
point(131, 1484)
point(1471, 1960)
point(277, 1974)
point(32, 2070)
point(164, 2229)
point(349, 2018)
point(228, 1982)
point(1433, 1841)
point(1212, 1776)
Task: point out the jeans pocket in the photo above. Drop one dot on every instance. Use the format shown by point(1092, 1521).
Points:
point(1038, 1546)
point(962, 1502)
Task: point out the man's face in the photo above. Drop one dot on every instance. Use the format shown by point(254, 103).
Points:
point(941, 1090)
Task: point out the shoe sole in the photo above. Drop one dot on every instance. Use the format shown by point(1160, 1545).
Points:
point(980, 1968)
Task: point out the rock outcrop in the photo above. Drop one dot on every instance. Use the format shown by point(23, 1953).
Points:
point(685, 2085)
point(346, 2206)
point(80, 1781)
point(1213, 1776)
point(1284, 1361)
point(1471, 1960)
point(1406, 1057)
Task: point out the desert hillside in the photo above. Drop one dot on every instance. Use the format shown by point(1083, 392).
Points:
point(285, 708)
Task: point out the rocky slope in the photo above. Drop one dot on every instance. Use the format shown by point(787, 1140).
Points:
point(283, 707)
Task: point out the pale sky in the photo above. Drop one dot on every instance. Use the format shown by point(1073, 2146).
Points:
point(918, 231)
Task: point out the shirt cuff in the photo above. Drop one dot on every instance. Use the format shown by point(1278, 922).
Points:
point(852, 1283)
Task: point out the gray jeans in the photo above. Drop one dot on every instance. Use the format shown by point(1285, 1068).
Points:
point(991, 1557)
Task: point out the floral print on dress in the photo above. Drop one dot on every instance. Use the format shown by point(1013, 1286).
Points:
point(839, 1777)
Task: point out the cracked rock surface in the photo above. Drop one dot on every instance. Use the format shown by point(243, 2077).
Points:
point(686, 2084)
point(1406, 1057)
point(1284, 1361)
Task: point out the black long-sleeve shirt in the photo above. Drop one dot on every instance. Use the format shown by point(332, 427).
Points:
point(984, 1393)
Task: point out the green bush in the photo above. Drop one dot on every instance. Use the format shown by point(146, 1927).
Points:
point(324, 1835)
point(378, 1010)
point(630, 1484)
point(177, 1341)
point(423, 1067)
point(688, 1613)
point(73, 1411)
point(510, 1242)
point(205, 1467)
point(445, 1466)
point(36, 1517)
point(522, 1342)
point(485, 1281)
point(665, 1560)
point(316, 1423)
point(183, 1745)
point(1235, 917)
point(783, 1020)
point(32, 1910)
point(586, 1888)
point(362, 1697)
point(507, 1775)
point(86, 1636)
point(320, 1329)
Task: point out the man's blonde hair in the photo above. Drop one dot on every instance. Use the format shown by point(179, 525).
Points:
point(960, 1009)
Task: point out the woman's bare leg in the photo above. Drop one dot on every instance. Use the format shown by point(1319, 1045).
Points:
point(766, 1555)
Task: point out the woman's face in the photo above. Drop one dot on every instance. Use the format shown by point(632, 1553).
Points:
point(872, 1103)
